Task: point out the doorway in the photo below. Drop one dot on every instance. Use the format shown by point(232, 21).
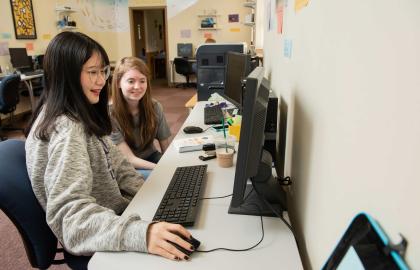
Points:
point(149, 39)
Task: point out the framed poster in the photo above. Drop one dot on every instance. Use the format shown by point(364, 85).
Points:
point(23, 19)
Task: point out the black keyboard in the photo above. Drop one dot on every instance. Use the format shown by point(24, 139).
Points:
point(180, 202)
point(213, 115)
point(35, 72)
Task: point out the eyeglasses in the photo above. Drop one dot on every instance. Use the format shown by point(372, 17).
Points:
point(94, 74)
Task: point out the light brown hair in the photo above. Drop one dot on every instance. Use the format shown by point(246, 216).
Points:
point(121, 114)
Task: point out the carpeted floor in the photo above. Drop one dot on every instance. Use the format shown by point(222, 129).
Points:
point(12, 251)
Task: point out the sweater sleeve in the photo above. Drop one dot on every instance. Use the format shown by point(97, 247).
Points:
point(82, 225)
point(128, 179)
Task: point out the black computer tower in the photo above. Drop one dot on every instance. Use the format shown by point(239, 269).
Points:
point(211, 67)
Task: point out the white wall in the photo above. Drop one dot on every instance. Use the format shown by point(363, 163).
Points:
point(352, 88)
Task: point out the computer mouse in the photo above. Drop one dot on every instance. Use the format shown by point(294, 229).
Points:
point(194, 242)
point(192, 129)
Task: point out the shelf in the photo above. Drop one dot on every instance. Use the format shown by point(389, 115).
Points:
point(210, 28)
point(249, 23)
point(67, 28)
point(249, 4)
point(65, 10)
point(63, 16)
point(204, 15)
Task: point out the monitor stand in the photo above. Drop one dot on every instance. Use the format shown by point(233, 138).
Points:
point(254, 206)
point(268, 187)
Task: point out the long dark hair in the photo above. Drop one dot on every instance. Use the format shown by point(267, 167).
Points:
point(63, 93)
point(147, 115)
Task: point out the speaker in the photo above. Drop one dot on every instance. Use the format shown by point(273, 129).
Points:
point(271, 120)
point(271, 125)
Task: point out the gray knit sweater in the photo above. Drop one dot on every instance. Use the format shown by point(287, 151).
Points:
point(83, 201)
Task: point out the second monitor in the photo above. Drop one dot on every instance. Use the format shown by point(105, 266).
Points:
point(185, 50)
point(20, 59)
point(237, 68)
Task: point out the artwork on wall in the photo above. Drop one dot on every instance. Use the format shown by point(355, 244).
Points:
point(23, 19)
point(104, 15)
point(233, 18)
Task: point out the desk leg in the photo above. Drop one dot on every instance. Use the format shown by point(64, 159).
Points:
point(28, 84)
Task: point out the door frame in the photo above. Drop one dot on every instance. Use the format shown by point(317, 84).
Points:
point(133, 35)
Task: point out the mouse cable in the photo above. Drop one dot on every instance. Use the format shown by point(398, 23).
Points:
point(272, 209)
point(220, 197)
point(209, 128)
point(245, 249)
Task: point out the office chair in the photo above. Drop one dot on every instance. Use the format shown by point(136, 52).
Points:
point(9, 98)
point(184, 67)
point(19, 203)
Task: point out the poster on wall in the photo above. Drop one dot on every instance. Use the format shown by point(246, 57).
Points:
point(233, 18)
point(103, 15)
point(299, 4)
point(23, 19)
point(4, 48)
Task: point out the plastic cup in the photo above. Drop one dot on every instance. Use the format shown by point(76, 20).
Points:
point(225, 149)
point(235, 130)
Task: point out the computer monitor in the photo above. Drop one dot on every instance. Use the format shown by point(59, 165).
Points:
point(255, 190)
point(19, 58)
point(237, 68)
point(185, 50)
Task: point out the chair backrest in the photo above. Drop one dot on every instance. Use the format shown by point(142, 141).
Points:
point(183, 66)
point(19, 203)
point(9, 93)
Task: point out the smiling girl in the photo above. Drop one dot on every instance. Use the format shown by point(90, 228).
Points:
point(137, 118)
point(78, 176)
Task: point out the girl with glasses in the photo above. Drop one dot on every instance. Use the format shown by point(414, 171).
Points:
point(80, 178)
point(137, 118)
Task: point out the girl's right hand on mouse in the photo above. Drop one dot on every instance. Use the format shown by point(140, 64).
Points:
point(158, 235)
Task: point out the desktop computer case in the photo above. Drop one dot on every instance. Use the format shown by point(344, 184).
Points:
point(211, 66)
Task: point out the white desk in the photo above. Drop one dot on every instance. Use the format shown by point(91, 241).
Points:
point(214, 226)
point(28, 82)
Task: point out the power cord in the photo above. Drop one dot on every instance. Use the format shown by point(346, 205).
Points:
point(286, 181)
point(272, 209)
point(261, 218)
point(211, 198)
point(208, 128)
point(244, 249)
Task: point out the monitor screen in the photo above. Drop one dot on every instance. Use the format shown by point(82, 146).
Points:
point(185, 50)
point(19, 58)
point(237, 68)
point(253, 162)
